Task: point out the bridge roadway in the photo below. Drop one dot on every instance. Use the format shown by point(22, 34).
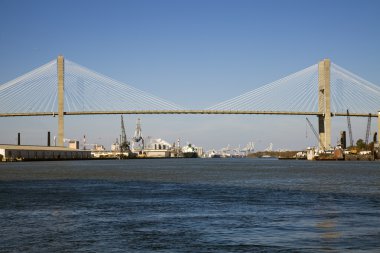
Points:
point(183, 112)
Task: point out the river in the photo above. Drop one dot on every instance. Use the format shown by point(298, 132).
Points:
point(190, 205)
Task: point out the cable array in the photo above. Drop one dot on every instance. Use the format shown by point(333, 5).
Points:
point(87, 90)
point(35, 91)
point(349, 91)
point(296, 92)
point(299, 93)
point(84, 90)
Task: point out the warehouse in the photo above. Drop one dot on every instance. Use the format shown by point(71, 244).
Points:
point(40, 153)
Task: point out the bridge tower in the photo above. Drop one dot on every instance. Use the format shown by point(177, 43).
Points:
point(61, 83)
point(324, 104)
point(378, 127)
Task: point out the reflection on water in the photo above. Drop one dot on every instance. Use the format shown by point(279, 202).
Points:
point(190, 205)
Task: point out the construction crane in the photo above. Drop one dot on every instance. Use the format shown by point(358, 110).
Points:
point(138, 135)
point(249, 148)
point(315, 133)
point(350, 129)
point(368, 130)
point(269, 148)
point(124, 144)
point(138, 140)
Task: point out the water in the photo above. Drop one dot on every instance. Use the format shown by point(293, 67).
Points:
point(190, 205)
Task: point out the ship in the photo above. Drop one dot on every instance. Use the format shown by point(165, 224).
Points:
point(189, 151)
point(213, 154)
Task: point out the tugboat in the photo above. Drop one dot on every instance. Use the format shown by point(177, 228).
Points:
point(189, 151)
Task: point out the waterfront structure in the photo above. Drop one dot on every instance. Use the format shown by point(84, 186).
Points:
point(30, 153)
point(200, 151)
point(115, 147)
point(156, 153)
point(73, 144)
point(158, 148)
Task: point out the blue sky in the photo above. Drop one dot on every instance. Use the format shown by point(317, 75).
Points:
point(194, 53)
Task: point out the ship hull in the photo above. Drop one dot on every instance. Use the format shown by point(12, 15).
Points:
point(190, 155)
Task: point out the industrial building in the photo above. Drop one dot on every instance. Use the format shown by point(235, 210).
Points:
point(40, 153)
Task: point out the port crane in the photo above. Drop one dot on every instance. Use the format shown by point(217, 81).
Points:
point(250, 147)
point(269, 148)
point(225, 151)
point(368, 129)
point(124, 143)
point(138, 140)
point(350, 129)
point(315, 133)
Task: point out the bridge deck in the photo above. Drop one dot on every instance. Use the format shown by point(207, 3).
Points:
point(182, 112)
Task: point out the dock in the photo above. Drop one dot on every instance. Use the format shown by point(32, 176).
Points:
point(9, 153)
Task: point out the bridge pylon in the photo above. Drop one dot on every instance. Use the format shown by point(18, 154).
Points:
point(324, 103)
point(61, 85)
point(378, 127)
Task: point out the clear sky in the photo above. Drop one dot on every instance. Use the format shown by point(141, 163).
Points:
point(194, 53)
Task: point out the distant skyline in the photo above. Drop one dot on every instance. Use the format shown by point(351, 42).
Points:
point(193, 53)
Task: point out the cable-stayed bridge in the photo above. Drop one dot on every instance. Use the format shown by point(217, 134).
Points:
point(62, 87)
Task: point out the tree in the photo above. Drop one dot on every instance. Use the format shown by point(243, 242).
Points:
point(360, 144)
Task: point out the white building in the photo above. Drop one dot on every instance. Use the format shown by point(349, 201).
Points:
point(157, 147)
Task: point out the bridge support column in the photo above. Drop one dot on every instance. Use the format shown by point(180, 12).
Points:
point(378, 127)
point(60, 71)
point(324, 104)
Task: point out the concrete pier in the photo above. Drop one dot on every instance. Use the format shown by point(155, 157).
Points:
point(378, 127)
point(377, 144)
point(324, 104)
point(60, 71)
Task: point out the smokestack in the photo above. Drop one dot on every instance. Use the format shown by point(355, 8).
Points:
point(343, 139)
point(375, 138)
point(48, 139)
point(18, 139)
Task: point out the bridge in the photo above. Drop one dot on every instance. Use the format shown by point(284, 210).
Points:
point(62, 87)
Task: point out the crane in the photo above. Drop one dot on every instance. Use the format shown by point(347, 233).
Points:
point(315, 133)
point(250, 147)
point(269, 148)
point(350, 129)
point(138, 135)
point(368, 130)
point(124, 144)
point(138, 140)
